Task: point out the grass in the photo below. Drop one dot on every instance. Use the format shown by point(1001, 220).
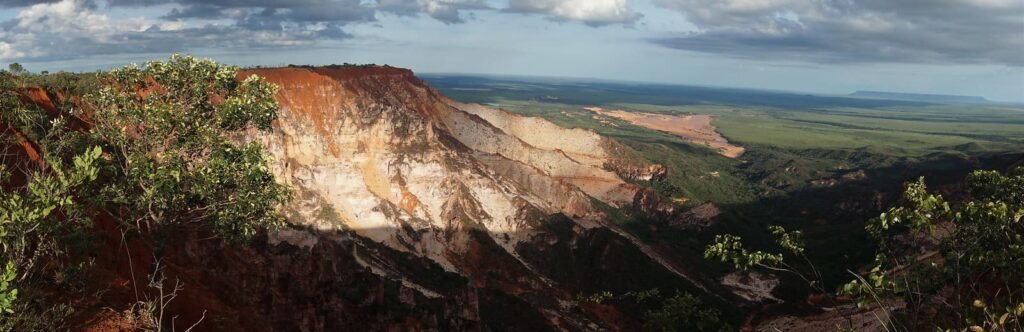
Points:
point(821, 135)
point(774, 119)
point(898, 131)
point(792, 141)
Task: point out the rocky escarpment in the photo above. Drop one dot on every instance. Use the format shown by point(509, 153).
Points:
point(480, 193)
point(574, 156)
point(412, 212)
point(299, 278)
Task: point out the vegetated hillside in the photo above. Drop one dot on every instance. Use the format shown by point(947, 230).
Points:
point(410, 211)
point(415, 211)
point(823, 167)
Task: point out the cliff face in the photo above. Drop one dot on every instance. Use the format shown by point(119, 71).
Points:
point(400, 164)
point(412, 212)
point(377, 152)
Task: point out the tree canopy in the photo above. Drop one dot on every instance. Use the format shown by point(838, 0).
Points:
point(172, 132)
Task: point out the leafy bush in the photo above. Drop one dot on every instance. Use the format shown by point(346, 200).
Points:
point(728, 248)
point(163, 151)
point(7, 291)
point(963, 261)
point(680, 312)
point(37, 220)
point(170, 130)
point(684, 312)
point(953, 265)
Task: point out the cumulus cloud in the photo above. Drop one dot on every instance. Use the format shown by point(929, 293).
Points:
point(953, 31)
point(590, 12)
point(54, 28)
point(62, 29)
point(72, 28)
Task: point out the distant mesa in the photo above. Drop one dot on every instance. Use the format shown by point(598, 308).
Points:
point(932, 98)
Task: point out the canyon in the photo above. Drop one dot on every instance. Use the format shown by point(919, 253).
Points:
point(411, 208)
point(510, 203)
point(414, 211)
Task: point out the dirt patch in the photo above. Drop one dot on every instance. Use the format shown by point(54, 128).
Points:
point(751, 286)
point(696, 128)
point(697, 218)
point(846, 317)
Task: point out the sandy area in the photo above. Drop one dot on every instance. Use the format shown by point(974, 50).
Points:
point(695, 128)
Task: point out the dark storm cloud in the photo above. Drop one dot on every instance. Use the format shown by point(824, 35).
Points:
point(911, 31)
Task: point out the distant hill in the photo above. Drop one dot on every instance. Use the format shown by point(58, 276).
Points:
point(919, 97)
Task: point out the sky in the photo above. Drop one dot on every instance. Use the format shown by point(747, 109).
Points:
point(966, 47)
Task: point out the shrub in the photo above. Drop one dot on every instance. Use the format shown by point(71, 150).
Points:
point(972, 266)
point(170, 129)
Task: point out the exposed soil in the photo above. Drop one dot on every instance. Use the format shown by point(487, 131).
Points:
point(699, 217)
point(695, 128)
point(751, 286)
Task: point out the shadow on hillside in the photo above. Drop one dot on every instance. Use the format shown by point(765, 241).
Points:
point(832, 217)
point(336, 280)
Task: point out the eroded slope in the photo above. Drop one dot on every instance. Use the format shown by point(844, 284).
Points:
point(378, 152)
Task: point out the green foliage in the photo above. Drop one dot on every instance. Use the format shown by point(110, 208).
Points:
point(36, 220)
point(16, 68)
point(684, 312)
point(67, 84)
point(37, 314)
point(7, 291)
point(992, 186)
point(680, 312)
point(164, 151)
point(171, 130)
point(974, 251)
point(791, 241)
point(919, 213)
point(598, 298)
point(13, 113)
point(666, 188)
point(729, 248)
